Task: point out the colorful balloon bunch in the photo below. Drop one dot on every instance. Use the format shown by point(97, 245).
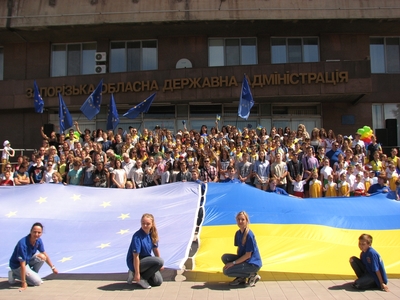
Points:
point(366, 133)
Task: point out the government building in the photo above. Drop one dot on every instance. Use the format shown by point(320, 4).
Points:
point(331, 64)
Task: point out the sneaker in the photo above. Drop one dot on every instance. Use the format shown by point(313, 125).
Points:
point(11, 279)
point(130, 277)
point(144, 284)
point(237, 281)
point(254, 279)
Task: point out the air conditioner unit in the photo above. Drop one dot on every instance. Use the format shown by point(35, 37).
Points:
point(100, 56)
point(100, 69)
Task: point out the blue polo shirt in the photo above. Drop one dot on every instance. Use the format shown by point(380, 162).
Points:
point(228, 180)
point(141, 243)
point(249, 246)
point(377, 188)
point(373, 262)
point(24, 251)
point(278, 190)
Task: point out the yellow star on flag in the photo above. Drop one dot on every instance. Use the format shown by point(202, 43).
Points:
point(41, 200)
point(123, 231)
point(124, 216)
point(102, 246)
point(64, 259)
point(11, 214)
point(76, 197)
point(105, 204)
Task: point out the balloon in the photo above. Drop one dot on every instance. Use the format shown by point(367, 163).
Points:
point(367, 128)
point(360, 131)
point(367, 140)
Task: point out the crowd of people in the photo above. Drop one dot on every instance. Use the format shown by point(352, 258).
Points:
point(283, 161)
point(294, 162)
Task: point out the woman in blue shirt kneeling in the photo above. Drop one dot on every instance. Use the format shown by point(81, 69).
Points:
point(246, 263)
point(144, 268)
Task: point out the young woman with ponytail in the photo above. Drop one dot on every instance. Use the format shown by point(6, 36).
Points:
point(144, 268)
point(245, 264)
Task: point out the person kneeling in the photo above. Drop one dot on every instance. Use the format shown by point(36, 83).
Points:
point(246, 263)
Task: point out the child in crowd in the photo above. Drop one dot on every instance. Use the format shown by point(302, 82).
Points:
point(367, 180)
point(330, 188)
point(56, 178)
point(398, 189)
point(343, 186)
point(392, 176)
point(315, 186)
point(325, 171)
point(358, 187)
point(7, 153)
point(298, 185)
point(350, 178)
point(339, 171)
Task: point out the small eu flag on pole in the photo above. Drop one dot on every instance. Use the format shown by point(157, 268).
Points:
point(91, 107)
point(113, 118)
point(64, 115)
point(142, 107)
point(246, 100)
point(38, 100)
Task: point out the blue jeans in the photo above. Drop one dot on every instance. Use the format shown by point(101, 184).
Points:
point(150, 270)
point(243, 269)
point(364, 280)
point(31, 270)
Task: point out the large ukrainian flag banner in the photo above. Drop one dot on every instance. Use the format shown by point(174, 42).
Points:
point(312, 236)
point(88, 230)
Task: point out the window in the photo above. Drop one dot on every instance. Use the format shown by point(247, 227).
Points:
point(133, 56)
point(385, 54)
point(294, 50)
point(232, 52)
point(1, 63)
point(73, 59)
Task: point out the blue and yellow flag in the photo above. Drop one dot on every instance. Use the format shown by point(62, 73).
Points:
point(313, 235)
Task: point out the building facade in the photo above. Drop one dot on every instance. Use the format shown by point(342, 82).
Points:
point(330, 64)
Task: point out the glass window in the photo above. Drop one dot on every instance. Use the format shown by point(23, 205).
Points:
point(133, 56)
point(294, 50)
point(1, 63)
point(392, 55)
point(232, 52)
point(385, 54)
point(216, 52)
point(73, 59)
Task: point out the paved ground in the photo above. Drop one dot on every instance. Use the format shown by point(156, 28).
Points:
point(192, 285)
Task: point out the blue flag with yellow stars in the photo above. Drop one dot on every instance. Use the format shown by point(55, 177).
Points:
point(246, 100)
point(89, 229)
point(113, 118)
point(142, 107)
point(91, 107)
point(38, 100)
point(64, 115)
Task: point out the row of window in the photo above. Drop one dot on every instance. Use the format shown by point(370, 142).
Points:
point(127, 56)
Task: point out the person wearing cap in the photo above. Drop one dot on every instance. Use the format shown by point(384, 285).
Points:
point(7, 153)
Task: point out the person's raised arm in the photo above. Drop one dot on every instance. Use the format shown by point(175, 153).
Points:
point(44, 136)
